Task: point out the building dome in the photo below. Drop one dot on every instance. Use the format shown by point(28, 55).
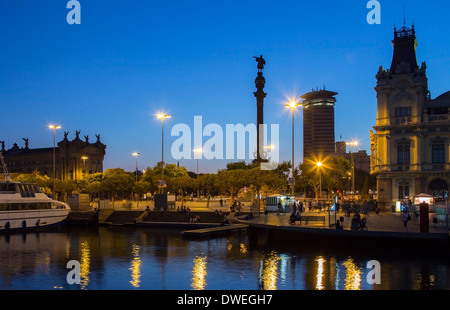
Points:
point(444, 96)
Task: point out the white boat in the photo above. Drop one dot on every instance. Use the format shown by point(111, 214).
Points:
point(24, 206)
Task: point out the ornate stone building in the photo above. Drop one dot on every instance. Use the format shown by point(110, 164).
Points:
point(410, 144)
point(74, 159)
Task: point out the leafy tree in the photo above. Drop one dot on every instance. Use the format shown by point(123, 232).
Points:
point(363, 182)
point(181, 184)
point(171, 171)
point(240, 165)
point(256, 179)
point(117, 183)
point(231, 181)
point(93, 189)
point(332, 174)
point(140, 188)
point(208, 182)
point(98, 176)
point(151, 176)
point(65, 188)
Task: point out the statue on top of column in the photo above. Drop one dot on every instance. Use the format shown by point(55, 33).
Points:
point(261, 62)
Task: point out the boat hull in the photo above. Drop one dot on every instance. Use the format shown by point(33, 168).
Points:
point(11, 221)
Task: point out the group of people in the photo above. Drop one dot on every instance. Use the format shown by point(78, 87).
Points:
point(297, 207)
point(236, 206)
point(194, 219)
point(183, 210)
point(295, 216)
point(358, 222)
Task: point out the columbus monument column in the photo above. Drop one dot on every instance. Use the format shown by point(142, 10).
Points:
point(260, 82)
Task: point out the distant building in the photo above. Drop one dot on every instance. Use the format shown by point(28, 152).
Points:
point(74, 159)
point(341, 148)
point(410, 144)
point(361, 159)
point(318, 124)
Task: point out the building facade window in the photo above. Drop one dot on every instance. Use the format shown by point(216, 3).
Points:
point(403, 111)
point(403, 154)
point(438, 153)
point(403, 191)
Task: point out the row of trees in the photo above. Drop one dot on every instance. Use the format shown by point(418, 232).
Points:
point(117, 183)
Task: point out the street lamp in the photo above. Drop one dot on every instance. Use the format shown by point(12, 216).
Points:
point(352, 144)
point(162, 117)
point(136, 154)
point(198, 151)
point(319, 166)
point(293, 105)
point(54, 127)
point(84, 158)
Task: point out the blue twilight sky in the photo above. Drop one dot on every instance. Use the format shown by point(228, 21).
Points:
point(127, 60)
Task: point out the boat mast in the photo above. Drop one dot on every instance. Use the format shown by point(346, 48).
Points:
point(5, 169)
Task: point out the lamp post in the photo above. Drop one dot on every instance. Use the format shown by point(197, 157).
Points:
point(293, 105)
point(136, 154)
point(54, 127)
point(84, 158)
point(352, 144)
point(198, 151)
point(319, 166)
point(162, 117)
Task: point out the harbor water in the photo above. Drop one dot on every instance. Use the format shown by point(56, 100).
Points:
point(133, 258)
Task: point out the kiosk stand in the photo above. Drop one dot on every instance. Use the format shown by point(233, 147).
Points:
point(424, 224)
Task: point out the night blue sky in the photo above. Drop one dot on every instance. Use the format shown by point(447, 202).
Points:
point(130, 59)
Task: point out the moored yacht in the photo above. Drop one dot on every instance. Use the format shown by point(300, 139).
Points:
point(24, 206)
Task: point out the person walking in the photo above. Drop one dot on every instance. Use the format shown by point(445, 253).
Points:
point(406, 217)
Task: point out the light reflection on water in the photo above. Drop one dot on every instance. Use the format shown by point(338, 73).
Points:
point(353, 275)
point(128, 258)
point(85, 264)
point(199, 273)
point(268, 274)
point(135, 267)
point(320, 270)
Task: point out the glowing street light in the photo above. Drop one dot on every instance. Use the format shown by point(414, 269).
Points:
point(352, 144)
point(54, 127)
point(198, 151)
point(84, 158)
point(293, 105)
point(136, 154)
point(319, 166)
point(162, 117)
